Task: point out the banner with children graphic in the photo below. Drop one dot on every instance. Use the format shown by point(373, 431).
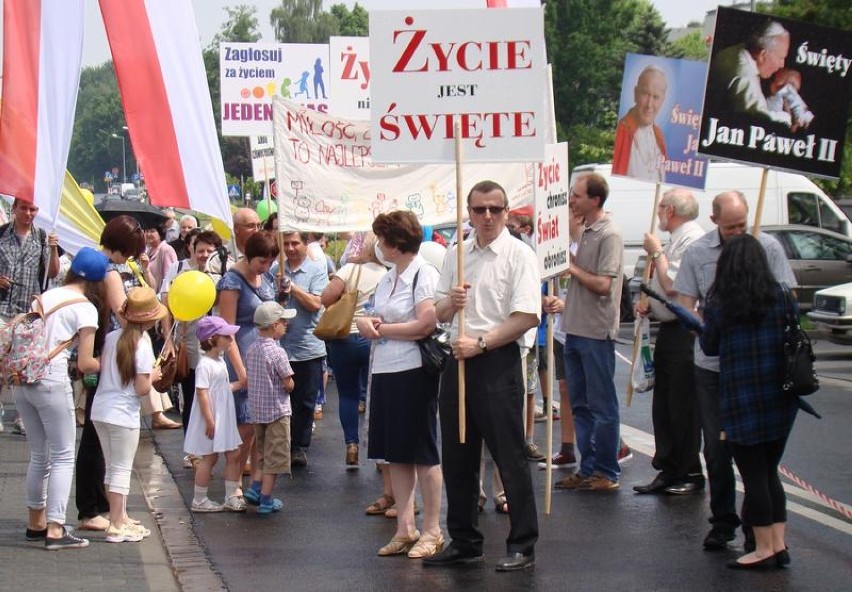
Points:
point(251, 74)
point(777, 93)
point(328, 182)
point(658, 122)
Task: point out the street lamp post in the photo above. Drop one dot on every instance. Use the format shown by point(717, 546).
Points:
point(123, 156)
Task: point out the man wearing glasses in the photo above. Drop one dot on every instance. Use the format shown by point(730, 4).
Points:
point(246, 223)
point(590, 321)
point(502, 301)
point(674, 411)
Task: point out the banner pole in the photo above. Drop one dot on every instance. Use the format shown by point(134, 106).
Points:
point(551, 291)
point(643, 299)
point(758, 211)
point(460, 265)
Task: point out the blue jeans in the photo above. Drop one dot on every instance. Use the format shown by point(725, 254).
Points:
point(349, 358)
point(590, 373)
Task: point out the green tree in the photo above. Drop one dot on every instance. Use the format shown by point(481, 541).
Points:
point(99, 114)
point(587, 41)
point(354, 23)
point(691, 46)
point(303, 21)
point(829, 13)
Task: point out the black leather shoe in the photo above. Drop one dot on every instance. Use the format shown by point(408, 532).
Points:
point(718, 539)
point(782, 558)
point(659, 483)
point(685, 488)
point(515, 561)
point(452, 555)
point(766, 563)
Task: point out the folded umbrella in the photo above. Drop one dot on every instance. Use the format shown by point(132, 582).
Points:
point(686, 318)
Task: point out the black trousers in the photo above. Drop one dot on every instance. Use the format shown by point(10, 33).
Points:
point(674, 410)
point(764, 502)
point(307, 378)
point(90, 468)
point(494, 413)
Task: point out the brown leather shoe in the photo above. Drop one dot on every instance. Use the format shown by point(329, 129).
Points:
point(351, 455)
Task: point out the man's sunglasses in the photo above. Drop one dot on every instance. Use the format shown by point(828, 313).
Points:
point(493, 210)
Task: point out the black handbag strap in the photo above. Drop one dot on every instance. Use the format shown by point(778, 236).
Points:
point(790, 310)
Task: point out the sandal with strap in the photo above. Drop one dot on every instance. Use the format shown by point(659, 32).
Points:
point(427, 546)
point(381, 505)
point(400, 545)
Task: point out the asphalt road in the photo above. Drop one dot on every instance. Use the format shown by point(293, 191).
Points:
point(619, 541)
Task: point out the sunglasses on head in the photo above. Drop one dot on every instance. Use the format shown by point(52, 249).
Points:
point(493, 210)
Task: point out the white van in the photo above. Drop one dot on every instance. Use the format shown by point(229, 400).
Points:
point(790, 199)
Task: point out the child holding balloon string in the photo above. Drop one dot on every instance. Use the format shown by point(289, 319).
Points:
point(213, 419)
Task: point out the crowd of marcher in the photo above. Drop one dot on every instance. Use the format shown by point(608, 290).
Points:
point(254, 383)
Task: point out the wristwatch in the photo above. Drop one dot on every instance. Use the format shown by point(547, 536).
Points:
point(480, 341)
point(656, 255)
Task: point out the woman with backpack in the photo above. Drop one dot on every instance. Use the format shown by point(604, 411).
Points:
point(47, 405)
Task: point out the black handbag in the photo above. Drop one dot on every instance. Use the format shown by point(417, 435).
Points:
point(800, 377)
point(435, 349)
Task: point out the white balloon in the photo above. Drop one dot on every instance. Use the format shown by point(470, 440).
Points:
point(433, 253)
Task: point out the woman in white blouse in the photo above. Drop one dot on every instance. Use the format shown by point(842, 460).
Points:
point(403, 396)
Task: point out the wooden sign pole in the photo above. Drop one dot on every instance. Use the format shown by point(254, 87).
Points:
point(643, 299)
point(460, 265)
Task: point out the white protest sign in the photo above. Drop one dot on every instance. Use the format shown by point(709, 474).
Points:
point(251, 74)
point(328, 182)
point(262, 158)
point(483, 69)
point(550, 225)
point(349, 67)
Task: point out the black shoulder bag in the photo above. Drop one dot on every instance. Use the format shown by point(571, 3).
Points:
point(800, 377)
point(435, 349)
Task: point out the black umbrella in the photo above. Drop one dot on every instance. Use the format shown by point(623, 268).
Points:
point(686, 318)
point(149, 216)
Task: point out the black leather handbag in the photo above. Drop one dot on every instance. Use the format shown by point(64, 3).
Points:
point(435, 350)
point(800, 377)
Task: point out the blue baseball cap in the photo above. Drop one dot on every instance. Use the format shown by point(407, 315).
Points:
point(90, 264)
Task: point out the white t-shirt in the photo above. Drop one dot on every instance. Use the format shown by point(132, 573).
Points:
point(114, 402)
point(64, 324)
point(397, 305)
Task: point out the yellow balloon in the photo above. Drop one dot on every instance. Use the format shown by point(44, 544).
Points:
point(191, 295)
point(221, 229)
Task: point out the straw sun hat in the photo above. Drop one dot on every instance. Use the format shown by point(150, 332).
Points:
point(142, 306)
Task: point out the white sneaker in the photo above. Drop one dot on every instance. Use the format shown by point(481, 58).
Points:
point(122, 535)
point(235, 503)
point(207, 505)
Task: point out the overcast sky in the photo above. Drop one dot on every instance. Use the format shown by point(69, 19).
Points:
point(210, 14)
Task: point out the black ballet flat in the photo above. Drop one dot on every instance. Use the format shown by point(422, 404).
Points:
point(768, 563)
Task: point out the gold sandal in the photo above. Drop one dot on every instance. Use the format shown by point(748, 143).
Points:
point(399, 545)
point(381, 505)
point(427, 546)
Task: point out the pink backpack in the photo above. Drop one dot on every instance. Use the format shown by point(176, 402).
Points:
point(24, 352)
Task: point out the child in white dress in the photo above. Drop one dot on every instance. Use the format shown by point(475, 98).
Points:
point(213, 419)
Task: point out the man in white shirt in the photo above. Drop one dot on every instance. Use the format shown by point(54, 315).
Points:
point(674, 411)
point(501, 301)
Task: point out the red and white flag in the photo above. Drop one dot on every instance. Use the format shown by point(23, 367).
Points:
point(42, 54)
point(163, 84)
